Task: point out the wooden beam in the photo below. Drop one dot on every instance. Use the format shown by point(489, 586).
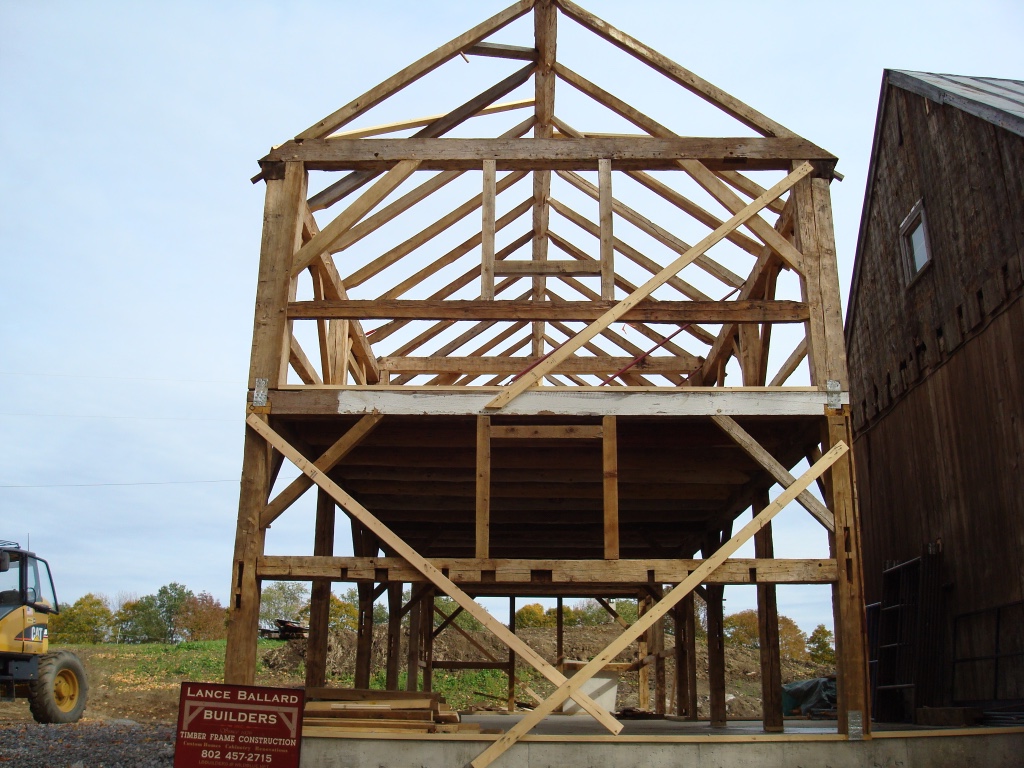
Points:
point(330, 458)
point(570, 432)
point(419, 122)
point(301, 364)
point(782, 476)
point(792, 363)
point(539, 154)
point(411, 244)
point(647, 226)
point(513, 365)
point(348, 218)
point(733, 311)
point(688, 80)
point(436, 577)
point(556, 573)
point(435, 129)
point(507, 268)
point(500, 51)
point(523, 383)
point(560, 401)
point(686, 205)
point(452, 256)
point(626, 250)
point(415, 71)
point(334, 289)
point(702, 172)
point(569, 687)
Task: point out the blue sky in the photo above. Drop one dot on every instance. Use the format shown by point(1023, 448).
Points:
point(129, 233)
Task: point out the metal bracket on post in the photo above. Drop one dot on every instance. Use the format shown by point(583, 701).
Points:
point(262, 385)
point(260, 397)
point(834, 398)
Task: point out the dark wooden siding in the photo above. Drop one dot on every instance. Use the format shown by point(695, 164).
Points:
point(937, 368)
point(970, 176)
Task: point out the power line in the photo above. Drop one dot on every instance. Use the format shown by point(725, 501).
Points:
point(88, 416)
point(99, 485)
point(117, 378)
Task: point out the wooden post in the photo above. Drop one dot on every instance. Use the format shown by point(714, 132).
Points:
point(848, 592)
point(394, 635)
point(427, 639)
point(827, 358)
point(282, 236)
point(686, 658)
point(413, 659)
point(559, 641)
point(483, 487)
point(604, 175)
point(643, 647)
point(364, 544)
point(487, 244)
point(511, 657)
point(320, 597)
point(768, 631)
point(716, 653)
point(611, 488)
point(544, 29)
point(657, 647)
point(559, 635)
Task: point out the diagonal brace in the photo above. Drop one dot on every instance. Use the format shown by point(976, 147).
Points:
point(398, 545)
point(342, 446)
point(757, 452)
point(645, 622)
point(519, 386)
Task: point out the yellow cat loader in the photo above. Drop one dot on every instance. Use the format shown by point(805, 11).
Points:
point(53, 683)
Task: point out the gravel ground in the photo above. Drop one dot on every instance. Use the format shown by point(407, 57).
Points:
point(87, 744)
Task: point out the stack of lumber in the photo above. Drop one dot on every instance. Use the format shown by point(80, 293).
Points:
point(339, 711)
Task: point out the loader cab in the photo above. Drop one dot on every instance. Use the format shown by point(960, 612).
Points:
point(24, 581)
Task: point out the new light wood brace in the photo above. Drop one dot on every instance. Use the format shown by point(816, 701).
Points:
point(398, 545)
point(571, 686)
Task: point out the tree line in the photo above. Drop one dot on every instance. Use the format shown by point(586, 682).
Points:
point(175, 614)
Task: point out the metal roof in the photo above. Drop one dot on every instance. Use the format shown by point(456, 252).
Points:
point(997, 100)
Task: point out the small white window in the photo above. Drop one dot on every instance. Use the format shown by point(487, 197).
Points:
point(914, 241)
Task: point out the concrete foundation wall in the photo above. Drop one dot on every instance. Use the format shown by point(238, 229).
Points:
point(932, 751)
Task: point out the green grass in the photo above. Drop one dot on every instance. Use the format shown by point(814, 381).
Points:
point(151, 666)
point(158, 664)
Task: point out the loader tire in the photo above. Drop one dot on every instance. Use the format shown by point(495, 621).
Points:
point(59, 693)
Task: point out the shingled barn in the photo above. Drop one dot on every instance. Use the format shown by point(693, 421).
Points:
point(935, 328)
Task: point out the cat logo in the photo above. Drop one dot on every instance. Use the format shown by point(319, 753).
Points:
point(33, 634)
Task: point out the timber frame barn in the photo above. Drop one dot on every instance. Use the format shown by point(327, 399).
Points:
point(542, 409)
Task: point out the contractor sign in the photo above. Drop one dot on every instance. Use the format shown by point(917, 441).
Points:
point(230, 726)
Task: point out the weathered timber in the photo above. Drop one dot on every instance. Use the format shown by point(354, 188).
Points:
point(735, 311)
point(634, 154)
point(624, 571)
